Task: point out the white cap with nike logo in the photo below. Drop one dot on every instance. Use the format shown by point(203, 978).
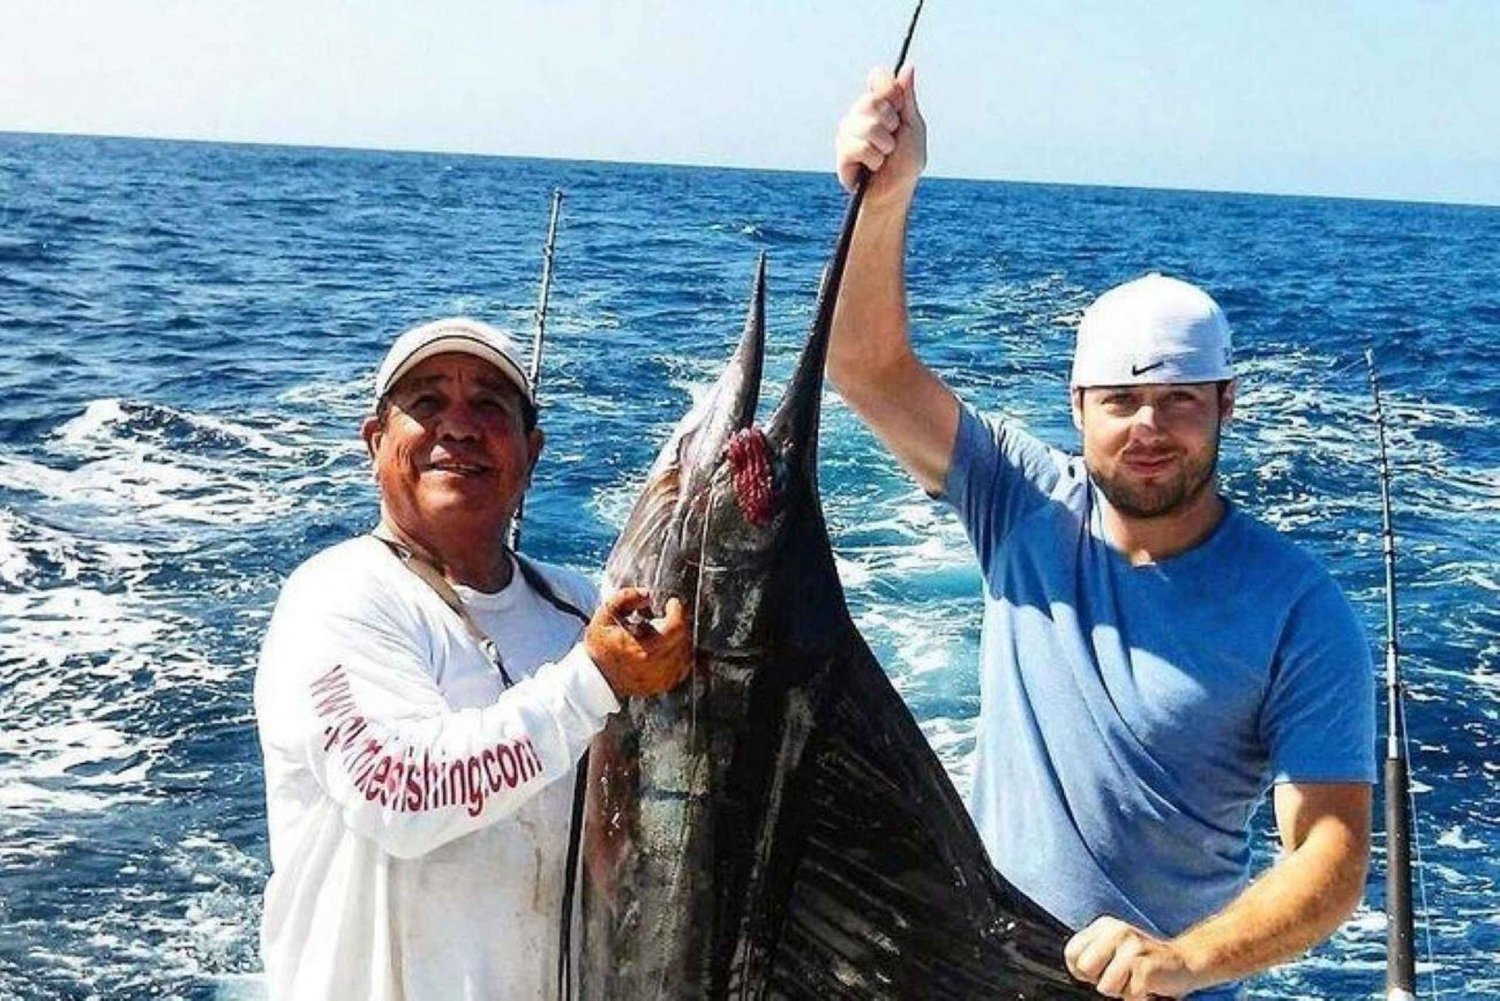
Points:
point(1152, 330)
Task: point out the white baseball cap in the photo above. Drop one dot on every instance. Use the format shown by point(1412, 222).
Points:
point(454, 334)
point(1152, 330)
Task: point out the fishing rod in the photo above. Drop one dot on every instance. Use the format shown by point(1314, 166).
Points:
point(835, 270)
point(1400, 969)
point(539, 330)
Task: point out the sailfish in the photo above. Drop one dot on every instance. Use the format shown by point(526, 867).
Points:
point(778, 826)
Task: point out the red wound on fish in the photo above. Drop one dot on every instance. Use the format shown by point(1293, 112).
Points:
point(749, 456)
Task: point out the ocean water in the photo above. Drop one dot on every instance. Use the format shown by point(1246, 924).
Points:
point(188, 331)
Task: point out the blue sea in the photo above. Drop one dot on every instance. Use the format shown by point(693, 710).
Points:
point(189, 332)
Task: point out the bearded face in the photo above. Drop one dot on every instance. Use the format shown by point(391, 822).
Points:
point(1152, 449)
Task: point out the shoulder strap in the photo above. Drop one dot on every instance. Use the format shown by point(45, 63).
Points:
point(432, 578)
point(544, 589)
point(570, 883)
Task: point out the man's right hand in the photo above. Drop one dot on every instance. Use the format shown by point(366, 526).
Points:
point(884, 132)
point(639, 655)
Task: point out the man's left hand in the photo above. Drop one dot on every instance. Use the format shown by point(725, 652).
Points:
point(1121, 961)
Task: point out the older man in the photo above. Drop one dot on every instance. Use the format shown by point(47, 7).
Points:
point(1153, 659)
point(423, 697)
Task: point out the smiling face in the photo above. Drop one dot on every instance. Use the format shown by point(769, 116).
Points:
point(1153, 449)
point(452, 453)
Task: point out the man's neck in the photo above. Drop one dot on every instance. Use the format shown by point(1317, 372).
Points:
point(485, 568)
point(1150, 540)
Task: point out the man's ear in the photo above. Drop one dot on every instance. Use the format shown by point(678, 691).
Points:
point(1226, 400)
point(534, 442)
point(371, 431)
point(1075, 401)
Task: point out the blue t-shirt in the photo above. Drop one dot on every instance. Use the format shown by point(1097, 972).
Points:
point(1132, 717)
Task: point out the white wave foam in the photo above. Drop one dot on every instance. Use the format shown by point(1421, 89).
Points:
point(79, 664)
point(257, 441)
point(59, 755)
point(923, 641)
point(954, 742)
point(14, 566)
point(241, 987)
point(612, 503)
point(345, 397)
point(124, 472)
point(20, 797)
point(27, 546)
point(50, 627)
point(137, 483)
point(53, 750)
point(1454, 837)
point(97, 417)
point(221, 921)
point(99, 426)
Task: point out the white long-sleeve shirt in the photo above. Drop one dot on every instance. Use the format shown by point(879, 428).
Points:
point(418, 809)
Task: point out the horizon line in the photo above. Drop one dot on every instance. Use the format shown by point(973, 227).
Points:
point(1037, 182)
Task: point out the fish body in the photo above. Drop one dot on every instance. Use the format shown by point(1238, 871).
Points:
point(778, 827)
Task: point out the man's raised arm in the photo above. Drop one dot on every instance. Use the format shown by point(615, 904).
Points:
point(870, 358)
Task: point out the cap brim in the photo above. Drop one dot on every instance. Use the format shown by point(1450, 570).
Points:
point(457, 343)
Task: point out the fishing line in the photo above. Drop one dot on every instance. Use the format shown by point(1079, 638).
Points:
point(708, 512)
point(1421, 868)
point(1337, 374)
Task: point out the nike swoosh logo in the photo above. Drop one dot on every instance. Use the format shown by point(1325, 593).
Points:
point(1143, 369)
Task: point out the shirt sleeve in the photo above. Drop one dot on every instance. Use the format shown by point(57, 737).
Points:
point(1318, 720)
point(998, 474)
point(344, 686)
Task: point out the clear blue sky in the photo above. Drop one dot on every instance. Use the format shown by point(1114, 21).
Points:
point(1370, 98)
